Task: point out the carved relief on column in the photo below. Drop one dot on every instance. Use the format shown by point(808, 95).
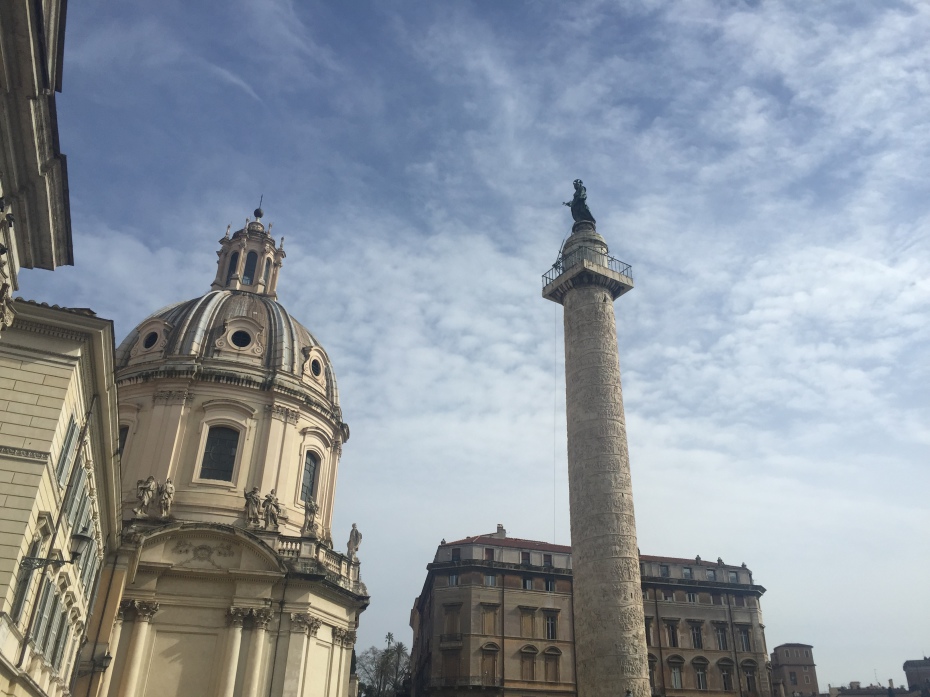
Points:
point(339, 636)
point(262, 617)
point(236, 615)
point(349, 640)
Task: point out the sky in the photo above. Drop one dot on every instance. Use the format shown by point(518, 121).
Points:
point(762, 165)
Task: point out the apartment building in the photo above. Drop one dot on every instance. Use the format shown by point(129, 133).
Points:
point(495, 615)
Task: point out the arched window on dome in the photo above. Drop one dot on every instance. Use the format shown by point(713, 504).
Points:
point(267, 273)
point(233, 265)
point(251, 261)
point(311, 464)
point(219, 456)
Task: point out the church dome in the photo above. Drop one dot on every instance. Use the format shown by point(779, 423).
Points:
point(254, 334)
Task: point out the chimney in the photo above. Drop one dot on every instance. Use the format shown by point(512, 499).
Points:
point(500, 531)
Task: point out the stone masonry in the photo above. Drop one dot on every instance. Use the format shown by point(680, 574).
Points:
point(610, 640)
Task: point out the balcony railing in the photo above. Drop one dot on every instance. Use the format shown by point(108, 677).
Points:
point(450, 637)
point(580, 254)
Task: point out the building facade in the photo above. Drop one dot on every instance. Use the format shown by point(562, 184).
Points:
point(59, 498)
point(917, 672)
point(35, 218)
point(227, 582)
point(794, 672)
point(495, 615)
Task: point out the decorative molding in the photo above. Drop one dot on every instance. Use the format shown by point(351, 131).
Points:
point(24, 453)
point(57, 332)
point(299, 622)
point(145, 610)
point(339, 636)
point(283, 413)
point(172, 396)
point(313, 624)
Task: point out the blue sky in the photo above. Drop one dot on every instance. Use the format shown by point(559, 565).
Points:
point(762, 165)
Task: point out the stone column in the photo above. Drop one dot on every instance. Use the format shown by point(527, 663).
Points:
point(301, 625)
point(227, 681)
point(255, 662)
point(610, 638)
point(135, 655)
point(113, 648)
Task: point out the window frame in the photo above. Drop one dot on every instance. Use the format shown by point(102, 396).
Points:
point(235, 460)
point(317, 472)
point(231, 414)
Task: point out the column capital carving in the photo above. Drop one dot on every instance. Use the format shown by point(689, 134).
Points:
point(300, 622)
point(262, 617)
point(145, 610)
point(313, 625)
point(236, 615)
point(339, 635)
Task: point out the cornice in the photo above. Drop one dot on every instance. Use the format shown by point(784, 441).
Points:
point(24, 453)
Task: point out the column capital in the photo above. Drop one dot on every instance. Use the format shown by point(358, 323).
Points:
point(300, 622)
point(313, 625)
point(262, 617)
point(145, 610)
point(236, 615)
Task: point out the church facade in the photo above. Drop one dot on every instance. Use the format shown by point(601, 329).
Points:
point(227, 582)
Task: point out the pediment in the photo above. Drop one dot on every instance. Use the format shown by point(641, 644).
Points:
point(220, 549)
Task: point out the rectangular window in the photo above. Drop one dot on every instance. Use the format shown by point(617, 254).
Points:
point(793, 677)
point(308, 486)
point(66, 456)
point(663, 570)
point(488, 667)
point(807, 679)
point(527, 584)
point(219, 455)
point(24, 580)
point(676, 677)
point(671, 634)
point(692, 597)
point(744, 643)
point(686, 573)
point(648, 632)
point(527, 666)
point(726, 678)
point(489, 554)
point(550, 585)
point(750, 679)
point(716, 598)
point(450, 666)
point(700, 677)
point(552, 668)
point(452, 621)
point(527, 629)
point(711, 574)
point(547, 560)
point(739, 601)
point(490, 580)
point(123, 437)
point(489, 620)
point(804, 668)
point(552, 626)
point(721, 633)
point(525, 558)
point(697, 636)
point(456, 554)
point(453, 579)
point(733, 577)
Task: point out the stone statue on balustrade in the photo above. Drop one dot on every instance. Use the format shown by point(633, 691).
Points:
point(579, 203)
point(253, 507)
point(145, 492)
point(271, 509)
point(166, 498)
point(311, 508)
point(355, 539)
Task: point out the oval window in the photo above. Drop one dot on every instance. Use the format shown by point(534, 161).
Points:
point(150, 340)
point(241, 338)
point(316, 367)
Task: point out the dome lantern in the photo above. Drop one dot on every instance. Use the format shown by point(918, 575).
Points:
point(249, 260)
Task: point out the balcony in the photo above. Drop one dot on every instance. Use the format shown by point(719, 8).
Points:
point(581, 254)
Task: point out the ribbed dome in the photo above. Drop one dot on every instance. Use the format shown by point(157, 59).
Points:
point(248, 330)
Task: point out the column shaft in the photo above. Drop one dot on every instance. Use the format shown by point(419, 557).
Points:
point(227, 680)
point(255, 663)
point(609, 623)
point(112, 649)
